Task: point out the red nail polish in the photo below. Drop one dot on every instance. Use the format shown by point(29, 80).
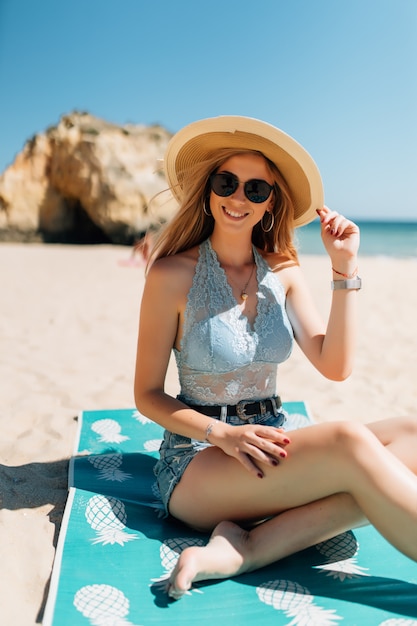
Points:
point(287, 440)
point(282, 455)
point(260, 475)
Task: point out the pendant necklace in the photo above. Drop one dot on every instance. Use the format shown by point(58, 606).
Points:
point(244, 294)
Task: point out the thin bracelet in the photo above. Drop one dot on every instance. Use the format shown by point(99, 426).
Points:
point(352, 275)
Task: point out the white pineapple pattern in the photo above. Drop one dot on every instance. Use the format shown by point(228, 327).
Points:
point(341, 564)
point(107, 516)
point(169, 553)
point(109, 430)
point(141, 418)
point(399, 621)
point(108, 466)
point(152, 445)
point(103, 605)
point(297, 420)
point(296, 602)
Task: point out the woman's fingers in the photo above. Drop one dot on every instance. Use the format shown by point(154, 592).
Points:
point(249, 464)
point(335, 223)
point(261, 444)
point(340, 236)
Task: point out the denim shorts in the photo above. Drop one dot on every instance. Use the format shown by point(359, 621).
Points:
point(177, 451)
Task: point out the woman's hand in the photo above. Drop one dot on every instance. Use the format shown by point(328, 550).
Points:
point(340, 237)
point(252, 444)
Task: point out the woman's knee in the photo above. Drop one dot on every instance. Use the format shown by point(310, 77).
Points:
point(394, 429)
point(406, 426)
point(351, 437)
point(330, 441)
point(346, 432)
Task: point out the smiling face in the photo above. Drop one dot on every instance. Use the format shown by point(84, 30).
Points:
point(236, 211)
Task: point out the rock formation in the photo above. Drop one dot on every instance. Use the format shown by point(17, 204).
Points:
point(86, 180)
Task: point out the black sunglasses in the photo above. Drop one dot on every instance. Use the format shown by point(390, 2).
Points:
point(225, 184)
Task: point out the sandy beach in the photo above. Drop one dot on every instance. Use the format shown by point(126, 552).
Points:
point(69, 319)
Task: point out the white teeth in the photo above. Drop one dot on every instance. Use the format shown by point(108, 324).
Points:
point(232, 214)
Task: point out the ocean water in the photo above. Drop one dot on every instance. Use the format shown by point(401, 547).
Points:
point(378, 238)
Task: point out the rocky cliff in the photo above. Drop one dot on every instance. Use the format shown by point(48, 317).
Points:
point(85, 181)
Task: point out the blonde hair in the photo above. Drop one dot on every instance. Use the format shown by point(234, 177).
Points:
point(190, 226)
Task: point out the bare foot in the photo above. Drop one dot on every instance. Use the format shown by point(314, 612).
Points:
point(225, 555)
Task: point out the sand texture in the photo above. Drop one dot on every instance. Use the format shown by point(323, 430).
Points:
point(68, 324)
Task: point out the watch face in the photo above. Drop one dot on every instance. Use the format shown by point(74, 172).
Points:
point(350, 283)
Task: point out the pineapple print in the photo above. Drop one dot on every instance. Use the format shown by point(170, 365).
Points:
point(109, 430)
point(141, 418)
point(169, 553)
point(103, 605)
point(108, 466)
point(155, 491)
point(107, 516)
point(340, 552)
point(296, 602)
point(297, 420)
point(171, 549)
point(157, 504)
point(340, 547)
point(152, 445)
point(401, 621)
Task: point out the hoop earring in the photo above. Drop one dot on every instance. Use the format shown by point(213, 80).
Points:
point(267, 230)
point(206, 207)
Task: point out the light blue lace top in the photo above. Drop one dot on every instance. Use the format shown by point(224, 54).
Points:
point(222, 359)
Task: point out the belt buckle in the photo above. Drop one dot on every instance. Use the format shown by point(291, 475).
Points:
point(241, 410)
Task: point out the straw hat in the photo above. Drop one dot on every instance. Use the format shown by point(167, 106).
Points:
point(197, 141)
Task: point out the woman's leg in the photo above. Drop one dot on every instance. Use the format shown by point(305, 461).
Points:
point(232, 550)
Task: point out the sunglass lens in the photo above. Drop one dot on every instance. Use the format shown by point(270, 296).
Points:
point(257, 190)
point(224, 184)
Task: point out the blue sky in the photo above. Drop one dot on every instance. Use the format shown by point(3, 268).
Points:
point(338, 75)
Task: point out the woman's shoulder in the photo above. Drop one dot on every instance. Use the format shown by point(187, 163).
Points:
point(181, 261)
point(174, 270)
point(278, 261)
point(283, 266)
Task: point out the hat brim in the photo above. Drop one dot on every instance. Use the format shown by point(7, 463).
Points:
point(197, 141)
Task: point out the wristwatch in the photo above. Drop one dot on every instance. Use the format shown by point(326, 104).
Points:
point(349, 283)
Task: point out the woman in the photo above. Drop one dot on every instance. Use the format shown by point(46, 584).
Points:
point(226, 293)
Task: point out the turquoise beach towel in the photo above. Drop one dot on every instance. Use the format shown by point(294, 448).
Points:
point(116, 550)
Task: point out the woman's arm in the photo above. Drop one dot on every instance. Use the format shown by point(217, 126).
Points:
point(331, 349)
point(165, 289)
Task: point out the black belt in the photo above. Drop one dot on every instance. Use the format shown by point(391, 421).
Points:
point(245, 409)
